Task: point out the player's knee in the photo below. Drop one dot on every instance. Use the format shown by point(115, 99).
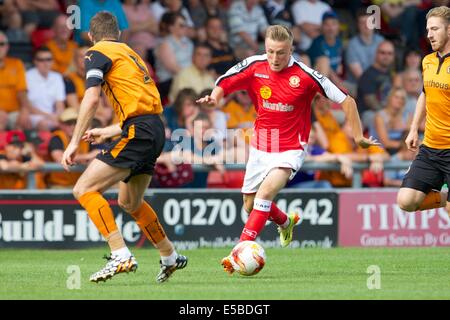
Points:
point(406, 204)
point(129, 206)
point(78, 191)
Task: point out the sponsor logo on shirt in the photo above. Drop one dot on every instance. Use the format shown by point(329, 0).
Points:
point(277, 106)
point(294, 81)
point(265, 92)
point(260, 75)
point(436, 84)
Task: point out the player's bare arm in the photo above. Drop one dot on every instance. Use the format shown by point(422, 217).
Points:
point(100, 135)
point(351, 113)
point(412, 140)
point(212, 100)
point(87, 111)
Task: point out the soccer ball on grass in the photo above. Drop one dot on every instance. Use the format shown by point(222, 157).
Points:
point(248, 258)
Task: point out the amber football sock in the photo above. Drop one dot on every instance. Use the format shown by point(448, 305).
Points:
point(99, 211)
point(432, 200)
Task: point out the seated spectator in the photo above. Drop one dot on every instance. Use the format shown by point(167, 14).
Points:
point(340, 142)
point(307, 16)
point(144, 28)
point(184, 109)
point(394, 178)
point(412, 82)
point(247, 23)
point(14, 104)
point(61, 47)
point(375, 83)
point(196, 76)
point(200, 148)
point(201, 11)
point(412, 60)
point(173, 53)
point(38, 14)
point(240, 111)
point(59, 142)
point(390, 122)
point(161, 7)
point(88, 8)
point(18, 158)
point(15, 32)
point(216, 38)
point(404, 17)
point(277, 12)
point(20, 41)
point(241, 114)
point(361, 49)
point(46, 91)
point(327, 49)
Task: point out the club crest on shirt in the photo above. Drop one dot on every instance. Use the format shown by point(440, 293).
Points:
point(265, 92)
point(448, 70)
point(294, 81)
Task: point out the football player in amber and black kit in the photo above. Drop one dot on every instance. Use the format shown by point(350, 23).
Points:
point(128, 160)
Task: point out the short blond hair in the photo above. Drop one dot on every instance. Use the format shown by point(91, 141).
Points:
point(279, 33)
point(441, 12)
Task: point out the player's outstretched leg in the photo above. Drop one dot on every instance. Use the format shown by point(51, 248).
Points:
point(148, 222)
point(287, 232)
point(115, 264)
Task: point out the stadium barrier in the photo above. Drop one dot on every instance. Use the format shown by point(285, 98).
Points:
point(308, 165)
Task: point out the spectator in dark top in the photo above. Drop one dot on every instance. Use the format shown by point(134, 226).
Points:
point(222, 55)
point(327, 49)
point(36, 14)
point(375, 83)
point(277, 12)
point(15, 31)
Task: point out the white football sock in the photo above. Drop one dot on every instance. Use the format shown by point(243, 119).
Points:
point(169, 260)
point(122, 252)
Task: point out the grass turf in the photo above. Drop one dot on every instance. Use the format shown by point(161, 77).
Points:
point(338, 273)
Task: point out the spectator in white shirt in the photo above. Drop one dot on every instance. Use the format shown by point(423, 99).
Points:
point(46, 91)
point(247, 21)
point(307, 15)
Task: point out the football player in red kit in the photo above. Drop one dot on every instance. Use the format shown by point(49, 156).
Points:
point(281, 89)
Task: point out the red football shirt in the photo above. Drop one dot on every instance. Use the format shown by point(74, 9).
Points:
point(282, 100)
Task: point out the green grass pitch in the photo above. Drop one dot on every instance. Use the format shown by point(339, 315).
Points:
point(295, 274)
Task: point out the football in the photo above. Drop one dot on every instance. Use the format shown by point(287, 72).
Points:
point(248, 258)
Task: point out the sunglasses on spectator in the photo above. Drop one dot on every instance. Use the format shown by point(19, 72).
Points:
point(44, 59)
point(3, 43)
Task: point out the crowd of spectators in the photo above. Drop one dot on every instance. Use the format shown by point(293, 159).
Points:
point(186, 45)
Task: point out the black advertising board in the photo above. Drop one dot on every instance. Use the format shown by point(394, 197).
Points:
point(192, 219)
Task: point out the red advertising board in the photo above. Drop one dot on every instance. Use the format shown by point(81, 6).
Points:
point(372, 218)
